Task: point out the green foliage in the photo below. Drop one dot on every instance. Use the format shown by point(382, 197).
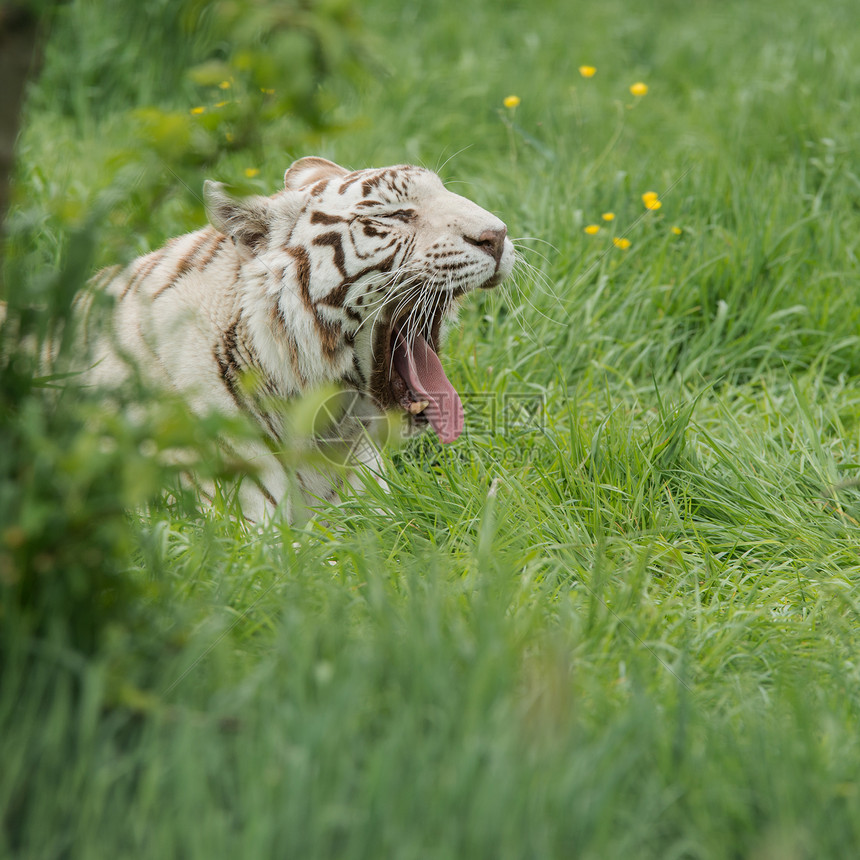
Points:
point(160, 95)
point(619, 617)
point(72, 468)
point(101, 57)
point(61, 548)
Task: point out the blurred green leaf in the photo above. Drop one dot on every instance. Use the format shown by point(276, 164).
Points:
point(167, 132)
point(210, 74)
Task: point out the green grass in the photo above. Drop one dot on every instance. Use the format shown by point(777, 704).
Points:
point(619, 617)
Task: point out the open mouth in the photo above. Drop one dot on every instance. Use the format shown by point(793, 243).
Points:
point(411, 376)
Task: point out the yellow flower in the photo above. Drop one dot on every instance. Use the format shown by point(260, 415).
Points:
point(622, 243)
point(587, 71)
point(639, 89)
point(221, 104)
point(251, 172)
point(651, 201)
point(677, 231)
point(591, 229)
point(608, 216)
point(198, 110)
point(225, 85)
point(511, 101)
point(267, 92)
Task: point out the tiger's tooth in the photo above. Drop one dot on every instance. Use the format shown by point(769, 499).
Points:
point(418, 406)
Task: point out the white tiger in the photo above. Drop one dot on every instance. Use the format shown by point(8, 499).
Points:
point(342, 277)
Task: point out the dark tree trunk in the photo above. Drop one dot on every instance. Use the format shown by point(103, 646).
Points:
point(19, 26)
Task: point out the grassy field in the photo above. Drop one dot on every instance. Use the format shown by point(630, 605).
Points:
point(619, 617)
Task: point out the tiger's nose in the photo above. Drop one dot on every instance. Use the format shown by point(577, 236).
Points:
point(491, 241)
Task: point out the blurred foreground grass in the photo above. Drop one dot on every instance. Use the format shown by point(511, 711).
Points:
point(619, 617)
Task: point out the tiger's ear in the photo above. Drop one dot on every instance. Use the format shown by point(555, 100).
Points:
point(307, 171)
point(246, 221)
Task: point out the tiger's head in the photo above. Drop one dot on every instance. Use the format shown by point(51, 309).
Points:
point(372, 263)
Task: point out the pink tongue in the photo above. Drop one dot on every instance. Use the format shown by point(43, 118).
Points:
point(422, 372)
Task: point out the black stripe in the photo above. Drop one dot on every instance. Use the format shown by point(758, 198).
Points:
point(335, 241)
point(183, 267)
point(213, 251)
point(303, 273)
point(356, 369)
point(226, 364)
point(349, 180)
point(318, 217)
point(144, 270)
point(266, 494)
